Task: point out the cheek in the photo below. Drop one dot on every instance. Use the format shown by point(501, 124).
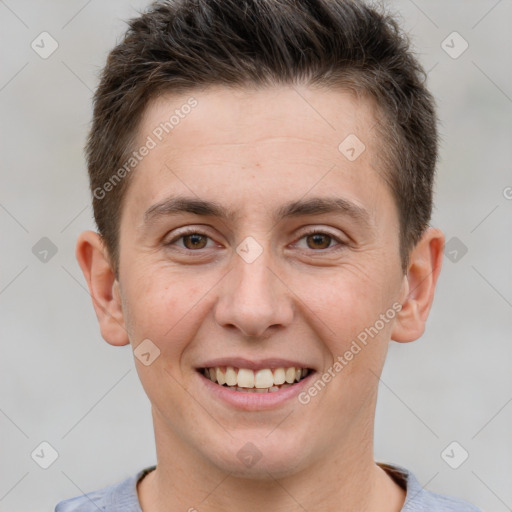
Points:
point(344, 308)
point(169, 307)
point(163, 308)
point(158, 304)
point(346, 298)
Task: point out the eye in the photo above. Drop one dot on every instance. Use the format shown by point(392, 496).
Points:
point(320, 240)
point(192, 240)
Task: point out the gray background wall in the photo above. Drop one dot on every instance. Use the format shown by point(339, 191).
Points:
point(61, 383)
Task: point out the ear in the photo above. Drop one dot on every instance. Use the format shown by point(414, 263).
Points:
point(419, 285)
point(92, 256)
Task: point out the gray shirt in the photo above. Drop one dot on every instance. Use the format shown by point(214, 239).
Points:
point(122, 497)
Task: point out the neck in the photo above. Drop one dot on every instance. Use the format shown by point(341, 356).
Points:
point(341, 481)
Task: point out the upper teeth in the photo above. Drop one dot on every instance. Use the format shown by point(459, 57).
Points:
point(246, 378)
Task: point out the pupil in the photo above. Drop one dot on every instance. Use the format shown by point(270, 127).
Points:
point(194, 239)
point(317, 237)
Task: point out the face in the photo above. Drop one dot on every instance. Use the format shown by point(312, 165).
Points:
point(260, 278)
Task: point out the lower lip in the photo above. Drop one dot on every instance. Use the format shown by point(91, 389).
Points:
point(254, 401)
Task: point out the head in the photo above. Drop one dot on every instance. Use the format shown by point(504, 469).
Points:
point(263, 114)
point(176, 47)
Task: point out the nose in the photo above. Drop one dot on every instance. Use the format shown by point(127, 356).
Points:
point(253, 297)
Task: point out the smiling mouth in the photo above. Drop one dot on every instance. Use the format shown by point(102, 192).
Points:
point(245, 380)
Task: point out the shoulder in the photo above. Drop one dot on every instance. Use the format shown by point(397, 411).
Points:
point(121, 497)
point(419, 499)
point(92, 501)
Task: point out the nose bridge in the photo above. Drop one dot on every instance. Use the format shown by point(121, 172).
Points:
point(253, 298)
point(252, 267)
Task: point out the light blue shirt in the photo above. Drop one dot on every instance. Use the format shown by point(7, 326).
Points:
point(122, 497)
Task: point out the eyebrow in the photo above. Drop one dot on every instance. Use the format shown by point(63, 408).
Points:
point(177, 205)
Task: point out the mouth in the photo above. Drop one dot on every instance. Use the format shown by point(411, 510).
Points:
point(263, 380)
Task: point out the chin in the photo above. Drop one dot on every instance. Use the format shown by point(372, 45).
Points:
point(261, 459)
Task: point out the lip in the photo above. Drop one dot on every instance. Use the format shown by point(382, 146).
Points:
point(240, 362)
point(254, 401)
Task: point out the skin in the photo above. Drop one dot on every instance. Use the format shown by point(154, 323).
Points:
point(302, 298)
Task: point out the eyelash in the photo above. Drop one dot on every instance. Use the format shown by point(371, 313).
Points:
point(192, 231)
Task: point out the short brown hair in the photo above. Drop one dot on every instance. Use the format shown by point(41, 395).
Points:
point(182, 45)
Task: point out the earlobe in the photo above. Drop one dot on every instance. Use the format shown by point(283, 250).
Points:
point(425, 264)
point(93, 259)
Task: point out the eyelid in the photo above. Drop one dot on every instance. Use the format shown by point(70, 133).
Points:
point(319, 229)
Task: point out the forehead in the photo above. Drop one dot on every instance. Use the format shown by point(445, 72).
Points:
point(246, 115)
point(256, 144)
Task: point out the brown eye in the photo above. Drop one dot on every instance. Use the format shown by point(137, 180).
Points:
point(197, 241)
point(319, 241)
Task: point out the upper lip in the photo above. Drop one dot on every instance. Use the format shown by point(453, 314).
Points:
point(240, 362)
